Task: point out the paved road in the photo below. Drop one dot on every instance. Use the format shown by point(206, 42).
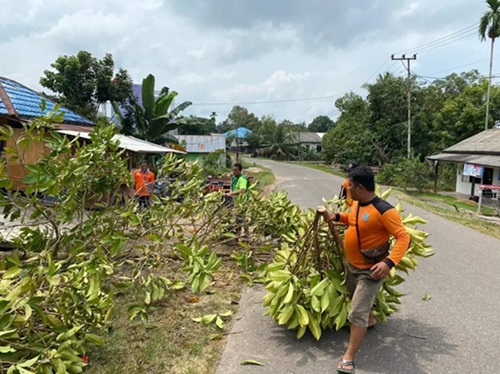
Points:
point(457, 330)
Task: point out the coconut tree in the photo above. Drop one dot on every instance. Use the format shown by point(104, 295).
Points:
point(279, 143)
point(489, 26)
point(153, 119)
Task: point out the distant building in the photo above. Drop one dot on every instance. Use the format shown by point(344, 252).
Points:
point(310, 140)
point(477, 159)
point(199, 146)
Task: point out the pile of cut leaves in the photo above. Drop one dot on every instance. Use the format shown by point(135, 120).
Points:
point(305, 283)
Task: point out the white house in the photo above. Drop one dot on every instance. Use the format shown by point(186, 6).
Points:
point(478, 162)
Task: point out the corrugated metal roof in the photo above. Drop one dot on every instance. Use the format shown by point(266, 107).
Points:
point(486, 142)
point(305, 137)
point(484, 160)
point(203, 143)
point(20, 101)
point(128, 142)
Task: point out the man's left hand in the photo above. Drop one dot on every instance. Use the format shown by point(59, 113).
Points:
point(380, 270)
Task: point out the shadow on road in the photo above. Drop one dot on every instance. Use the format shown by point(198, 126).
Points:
point(398, 346)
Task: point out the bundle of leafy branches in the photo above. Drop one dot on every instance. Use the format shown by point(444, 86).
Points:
point(305, 283)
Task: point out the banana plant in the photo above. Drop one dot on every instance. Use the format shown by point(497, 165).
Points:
point(150, 117)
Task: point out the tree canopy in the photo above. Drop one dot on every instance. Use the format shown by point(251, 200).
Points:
point(321, 124)
point(444, 112)
point(83, 82)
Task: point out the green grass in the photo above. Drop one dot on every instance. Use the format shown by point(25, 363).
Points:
point(451, 201)
point(322, 167)
point(459, 211)
point(264, 177)
point(170, 342)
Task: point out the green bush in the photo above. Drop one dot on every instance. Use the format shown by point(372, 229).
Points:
point(212, 165)
point(407, 174)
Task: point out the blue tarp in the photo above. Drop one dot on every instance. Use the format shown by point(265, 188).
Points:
point(240, 132)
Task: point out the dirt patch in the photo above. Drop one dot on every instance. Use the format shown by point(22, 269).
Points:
point(253, 170)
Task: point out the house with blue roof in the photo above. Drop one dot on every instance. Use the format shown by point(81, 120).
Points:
point(20, 104)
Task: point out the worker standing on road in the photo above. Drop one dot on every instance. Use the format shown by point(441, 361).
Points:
point(371, 222)
point(239, 195)
point(144, 185)
point(344, 190)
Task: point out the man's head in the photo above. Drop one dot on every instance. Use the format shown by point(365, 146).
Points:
point(351, 166)
point(237, 168)
point(144, 165)
point(361, 183)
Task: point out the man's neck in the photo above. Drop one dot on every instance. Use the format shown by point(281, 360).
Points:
point(369, 197)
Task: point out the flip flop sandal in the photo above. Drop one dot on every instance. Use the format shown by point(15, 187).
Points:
point(342, 366)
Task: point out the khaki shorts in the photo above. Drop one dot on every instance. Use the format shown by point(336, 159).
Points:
point(363, 290)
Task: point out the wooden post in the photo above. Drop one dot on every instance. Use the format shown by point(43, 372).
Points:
point(331, 226)
point(480, 202)
point(436, 168)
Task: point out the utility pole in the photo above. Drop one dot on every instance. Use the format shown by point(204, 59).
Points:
point(407, 59)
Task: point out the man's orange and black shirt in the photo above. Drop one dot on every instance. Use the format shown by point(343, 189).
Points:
point(377, 222)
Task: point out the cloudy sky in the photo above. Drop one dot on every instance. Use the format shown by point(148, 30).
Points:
point(288, 58)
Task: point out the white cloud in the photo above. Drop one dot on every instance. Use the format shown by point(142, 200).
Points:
point(240, 51)
point(266, 88)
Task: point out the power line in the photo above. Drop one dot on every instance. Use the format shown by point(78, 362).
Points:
point(461, 66)
point(430, 48)
point(352, 90)
point(439, 40)
point(268, 101)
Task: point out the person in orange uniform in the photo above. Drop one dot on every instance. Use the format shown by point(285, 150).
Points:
point(344, 190)
point(144, 184)
point(371, 222)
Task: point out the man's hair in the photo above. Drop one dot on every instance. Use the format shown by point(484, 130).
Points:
point(144, 162)
point(239, 166)
point(364, 176)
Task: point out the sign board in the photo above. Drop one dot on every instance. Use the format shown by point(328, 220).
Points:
point(473, 170)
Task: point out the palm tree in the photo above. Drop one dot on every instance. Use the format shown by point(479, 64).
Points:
point(152, 120)
point(279, 143)
point(489, 26)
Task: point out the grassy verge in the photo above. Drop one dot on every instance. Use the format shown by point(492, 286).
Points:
point(460, 211)
point(323, 167)
point(170, 341)
point(263, 175)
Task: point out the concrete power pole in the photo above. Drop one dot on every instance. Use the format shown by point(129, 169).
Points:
point(407, 59)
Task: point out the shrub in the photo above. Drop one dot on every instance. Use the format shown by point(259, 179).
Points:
point(406, 173)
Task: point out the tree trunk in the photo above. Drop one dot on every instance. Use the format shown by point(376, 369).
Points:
point(489, 85)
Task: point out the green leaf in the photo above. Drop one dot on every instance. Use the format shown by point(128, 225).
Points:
point(147, 299)
point(251, 362)
point(314, 326)
point(148, 96)
point(289, 294)
point(219, 323)
point(94, 339)
point(29, 363)
point(315, 304)
point(7, 349)
point(208, 319)
point(426, 297)
point(11, 273)
point(23, 370)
